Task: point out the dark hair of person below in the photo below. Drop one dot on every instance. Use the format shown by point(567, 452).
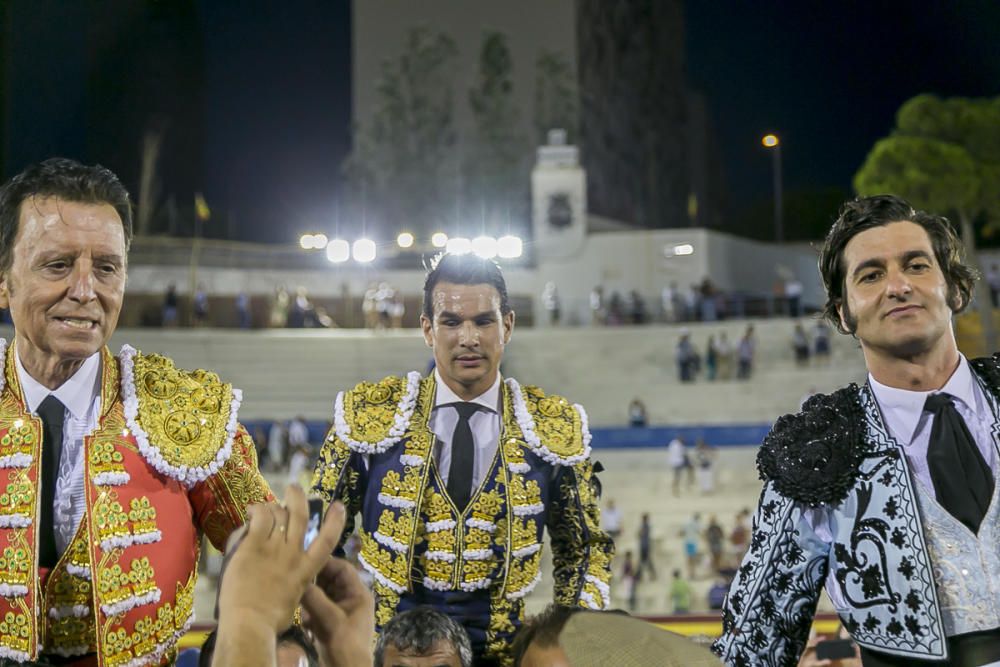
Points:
point(417, 630)
point(543, 629)
point(467, 269)
point(64, 179)
point(294, 635)
point(864, 213)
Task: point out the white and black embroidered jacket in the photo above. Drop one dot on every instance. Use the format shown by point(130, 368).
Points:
point(837, 457)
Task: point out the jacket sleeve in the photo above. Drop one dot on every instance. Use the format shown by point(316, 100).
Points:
point(772, 601)
point(220, 502)
point(340, 475)
point(581, 551)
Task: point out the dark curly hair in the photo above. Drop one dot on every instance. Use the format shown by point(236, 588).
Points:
point(64, 179)
point(465, 269)
point(865, 213)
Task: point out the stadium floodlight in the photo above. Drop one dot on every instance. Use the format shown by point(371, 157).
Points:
point(319, 241)
point(405, 240)
point(306, 241)
point(439, 240)
point(510, 247)
point(363, 250)
point(338, 250)
point(683, 249)
point(459, 246)
point(485, 246)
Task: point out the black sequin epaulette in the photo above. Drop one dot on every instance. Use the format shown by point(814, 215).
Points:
point(988, 368)
point(814, 456)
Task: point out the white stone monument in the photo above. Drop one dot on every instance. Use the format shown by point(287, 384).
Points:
point(558, 199)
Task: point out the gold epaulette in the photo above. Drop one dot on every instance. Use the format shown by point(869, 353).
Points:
point(373, 416)
point(184, 421)
point(555, 428)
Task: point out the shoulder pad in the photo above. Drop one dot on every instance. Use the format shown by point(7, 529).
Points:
point(184, 421)
point(374, 415)
point(553, 427)
point(814, 456)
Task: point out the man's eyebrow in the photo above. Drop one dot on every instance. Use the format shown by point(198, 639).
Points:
point(879, 263)
point(911, 255)
point(447, 313)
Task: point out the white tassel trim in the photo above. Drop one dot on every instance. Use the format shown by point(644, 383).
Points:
point(602, 587)
point(70, 651)
point(488, 526)
point(13, 591)
point(519, 468)
point(3, 360)
point(438, 526)
point(528, 510)
point(75, 610)
point(446, 556)
point(15, 460)
point(527, 424)
point(477, 554)
point(125, 541)
point(395, 501)
point(436, 585)
point(411, 460)
point(524, 552)
point(476, 585)
point(516, 595)
point(112, 478)
point(156, 655)
point(388, 541)
point(589, 599)
point(78, 571)
point(379, 577)
point(132, 602)
point(187, 475)
point(14, 520)
point(9, 653)
point(404, 411)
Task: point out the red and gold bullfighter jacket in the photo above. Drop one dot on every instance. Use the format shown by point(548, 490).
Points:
point(166, 462)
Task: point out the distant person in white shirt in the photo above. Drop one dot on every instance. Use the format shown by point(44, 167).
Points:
point(679, 461)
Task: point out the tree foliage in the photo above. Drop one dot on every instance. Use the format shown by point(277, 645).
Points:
point(556, 97)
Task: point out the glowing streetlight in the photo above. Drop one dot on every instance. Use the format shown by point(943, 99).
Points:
point(684, 249)
point(509, 247)
point(439, 240)
point(363, 250)
point(338, 250)
point(404, 240)
point(459, 246)
point(306, 241)
point(485, 246)
point(771, 142)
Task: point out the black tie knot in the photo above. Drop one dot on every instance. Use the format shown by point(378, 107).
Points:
point(465, 410)
point(935, 403)
point(52, 412)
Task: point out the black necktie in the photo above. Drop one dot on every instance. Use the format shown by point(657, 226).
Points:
point(53, 413)
point(463, 456)
point(962, 481)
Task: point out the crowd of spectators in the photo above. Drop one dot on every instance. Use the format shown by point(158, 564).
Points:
point(721, 358)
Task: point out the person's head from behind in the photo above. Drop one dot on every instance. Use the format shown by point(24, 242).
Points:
point(894, 276)
point(65, 229)
point(294, 649)
point(467, 320)
point(537, 642)
point(423, 637)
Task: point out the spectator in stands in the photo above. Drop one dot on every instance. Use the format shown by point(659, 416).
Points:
point(423, 637)
point(553, 306)
point(711, 359)
point(717, 592)
point(278, 317)
point(243, 309)
point(739, 538)
point(397, 308)
point(724, 357)
point(611, 519)
point(368, 309)
point(200, 305)
point(563, 637)
point(301, 314)
point(383, 300)
point(646, 548)
point(993, 280)
point(637, 413)
point(630, 578)
point(745, 354)
point(691, 533)
point(680, 594)
point(692, 305)
point(268, 573)
point(821, 342)
point(670, 303)
point(800, 344)
point(298, 432)
point(715, 536)
point(170, 307)
point(706, 301)
point(704, 460)
point(680, 462)
point(793, 295)
point(276, 446)
point(616, 309)
point(294, 649)
point(637, 308)
point(687, 358)
point(598, 311)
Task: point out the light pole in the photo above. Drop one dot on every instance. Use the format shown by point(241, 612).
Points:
point(771, 142)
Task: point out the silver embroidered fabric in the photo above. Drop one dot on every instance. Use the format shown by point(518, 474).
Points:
point(70, 499)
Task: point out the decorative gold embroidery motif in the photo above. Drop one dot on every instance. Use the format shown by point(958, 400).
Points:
point(370, 408)
point(105, 457)
point(111, 519)
point(557, 423)
point(15, 564)
point(386, 601)
point(69, 599)
point(117, 585)
point(15, 629)
point(20, 435)
point(185, 414)
point(142, 516)
point(501, 627)
point(19, 496)
point(391, 565)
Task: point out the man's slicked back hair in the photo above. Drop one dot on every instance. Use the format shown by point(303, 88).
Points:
point(864, 213)
point(467, 269)
point(417, 630)
point(64, 179)
point(542, 630)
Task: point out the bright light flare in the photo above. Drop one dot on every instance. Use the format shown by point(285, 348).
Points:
point(510, 247)
point(459, 246)
point(439, 240)
point(338, 250)
point(683, 249)
point(405, 240)
point(485, 247)
point(769, 141)
point(363, 250)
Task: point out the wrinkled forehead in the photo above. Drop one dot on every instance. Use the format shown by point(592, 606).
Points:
point(464, 300)
point(885, 242)
point(52, 216)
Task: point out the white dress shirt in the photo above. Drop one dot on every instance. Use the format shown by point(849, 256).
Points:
point(82, 397)
point(485, 425)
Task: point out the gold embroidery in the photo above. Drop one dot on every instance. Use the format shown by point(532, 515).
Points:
point(19, 496)
point(117, 585)
point(20, 435)
point(186, 415)
point(557, 423)
point(15, 629)
point(386, 601)
point(142, 516)
point(110, 518)
point(370, 408)
point(105, 457)
point(16, 565)
point(391, 565)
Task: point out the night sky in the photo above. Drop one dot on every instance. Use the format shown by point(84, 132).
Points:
point(274, 91)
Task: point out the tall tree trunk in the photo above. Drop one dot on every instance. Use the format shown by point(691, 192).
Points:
point(984, 302)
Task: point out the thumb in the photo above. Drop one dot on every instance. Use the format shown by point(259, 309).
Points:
point(324, 616)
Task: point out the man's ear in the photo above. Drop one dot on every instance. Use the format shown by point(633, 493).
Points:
point(508, 326)
point(4, 289)
point(426, 327)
